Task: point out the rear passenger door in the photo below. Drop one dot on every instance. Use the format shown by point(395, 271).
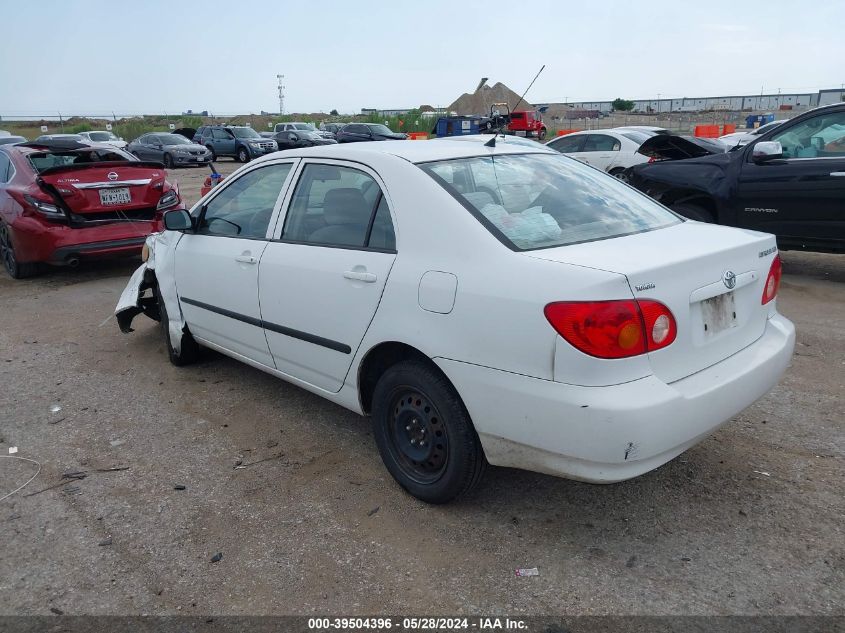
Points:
point(322, 277)
point(600, 150)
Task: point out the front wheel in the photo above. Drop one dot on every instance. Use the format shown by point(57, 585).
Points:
point(243, 155)
point(168, 161)
point(188, 349)
point(424, 433)
point(542, 134)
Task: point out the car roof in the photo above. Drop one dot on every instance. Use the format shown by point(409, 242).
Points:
point(411, 151)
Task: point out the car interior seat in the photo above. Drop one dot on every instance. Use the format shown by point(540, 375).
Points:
point(347, 217)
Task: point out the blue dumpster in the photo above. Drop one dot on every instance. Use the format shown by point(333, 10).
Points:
point(756, 120)
point(456, 126)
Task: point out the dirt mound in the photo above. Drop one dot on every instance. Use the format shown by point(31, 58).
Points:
point(479, 102)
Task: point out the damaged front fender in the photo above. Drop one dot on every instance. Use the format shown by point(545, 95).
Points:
point(153, 282)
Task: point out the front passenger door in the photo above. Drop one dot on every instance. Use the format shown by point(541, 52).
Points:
point(321, 282)
point(217, 263)
point(801, 197)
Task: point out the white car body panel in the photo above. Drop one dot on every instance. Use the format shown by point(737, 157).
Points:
point(460, 297)
point(626, 156)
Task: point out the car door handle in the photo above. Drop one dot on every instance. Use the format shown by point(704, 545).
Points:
point(246, 259)
point(359, 276)
point(838, 173)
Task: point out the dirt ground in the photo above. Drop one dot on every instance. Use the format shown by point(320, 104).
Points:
point(748, 522)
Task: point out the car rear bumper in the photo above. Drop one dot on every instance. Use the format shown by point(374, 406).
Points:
point(41, 241)
point(191, 160)
point(609, 434)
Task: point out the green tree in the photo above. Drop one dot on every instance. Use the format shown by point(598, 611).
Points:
point(622, 105)
point(333, 113)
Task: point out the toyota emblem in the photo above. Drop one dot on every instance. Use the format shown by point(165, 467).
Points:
point(729, 278)
point(112, 175)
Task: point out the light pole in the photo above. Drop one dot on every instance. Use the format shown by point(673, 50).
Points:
point(281, 79)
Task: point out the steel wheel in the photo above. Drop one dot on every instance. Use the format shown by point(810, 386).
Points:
point(418, 438)
point(424, 433)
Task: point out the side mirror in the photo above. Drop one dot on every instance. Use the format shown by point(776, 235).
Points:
point(765, 151)
point(178, 220)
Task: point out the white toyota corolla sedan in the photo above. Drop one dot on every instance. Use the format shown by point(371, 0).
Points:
point(496, 305)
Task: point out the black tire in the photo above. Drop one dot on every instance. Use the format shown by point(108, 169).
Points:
point(694, 212)
point(243, 154)
point(620, 173)
point(213, 155)
point(424, 433)
point(168, 161)
point(189, 349)
point(542, 134)
point(16, 269)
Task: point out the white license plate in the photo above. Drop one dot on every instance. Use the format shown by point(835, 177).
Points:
point(115, 196)
point(719, 313)
point(200, 159)
point(520, 132)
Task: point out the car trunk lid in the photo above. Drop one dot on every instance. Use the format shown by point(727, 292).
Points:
point(710, 277)
point(104, 190)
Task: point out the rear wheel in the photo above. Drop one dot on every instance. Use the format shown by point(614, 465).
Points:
point(694, 212)
point(16, 269)
point(243, 155)
point(424, 433)
point(188, 349)
point(168, 161)
point(619, 173)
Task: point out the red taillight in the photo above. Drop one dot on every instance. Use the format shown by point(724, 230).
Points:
point(660, 326)
point(613, 329)
point(770, 290)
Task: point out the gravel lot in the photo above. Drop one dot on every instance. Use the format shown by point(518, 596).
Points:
point(749, 522)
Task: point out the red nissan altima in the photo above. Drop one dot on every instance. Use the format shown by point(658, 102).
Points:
point(61, 202)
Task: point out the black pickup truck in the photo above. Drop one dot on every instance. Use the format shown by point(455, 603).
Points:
point(789, 181)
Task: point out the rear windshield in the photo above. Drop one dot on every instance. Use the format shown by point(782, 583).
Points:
point(637, 137)
point(531, 201)
point(41, 161)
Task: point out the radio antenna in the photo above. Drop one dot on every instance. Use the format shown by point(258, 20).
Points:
point(492, 141)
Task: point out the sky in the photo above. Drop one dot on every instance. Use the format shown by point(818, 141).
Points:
point(155, 57)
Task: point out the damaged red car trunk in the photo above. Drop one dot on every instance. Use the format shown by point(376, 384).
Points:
point(63, 202)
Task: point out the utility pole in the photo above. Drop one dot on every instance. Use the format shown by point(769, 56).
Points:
point(281, 79)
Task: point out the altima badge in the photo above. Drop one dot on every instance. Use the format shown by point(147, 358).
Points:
point(729, 278)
